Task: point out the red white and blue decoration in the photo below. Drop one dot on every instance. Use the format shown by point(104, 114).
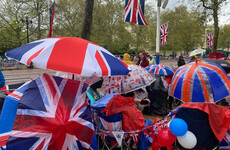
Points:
point(164, 33)
point(200, 82)
point(134, 12)
point(160, 70)
point(71, 55)
point(210, 40)
point(53, 113)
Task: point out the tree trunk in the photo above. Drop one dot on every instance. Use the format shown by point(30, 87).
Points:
point(86, 28)
point(216, 26)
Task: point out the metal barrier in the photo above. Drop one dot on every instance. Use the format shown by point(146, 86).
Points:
point(16, 80)
point(22, 74)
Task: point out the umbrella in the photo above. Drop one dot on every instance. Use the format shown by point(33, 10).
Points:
point(200, 82)
point(53, 113)
point(216, 55)
point(88, 80)
point(137, 78)
point(71, 55)
point(223, 63)
point(196, 51)
point(160, 70)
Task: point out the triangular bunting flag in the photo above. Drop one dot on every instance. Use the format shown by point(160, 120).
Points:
point(118, 136)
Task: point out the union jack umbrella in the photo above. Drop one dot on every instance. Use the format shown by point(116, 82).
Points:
point(71, 55)
point(53, 113)
point(200, 82)
point(160, 70)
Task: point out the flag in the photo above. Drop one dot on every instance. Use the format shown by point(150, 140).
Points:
point(8, 113)
point(53, 113)
point(164, 33)
point(210, 39)
point(134, 12)
point(52, 8)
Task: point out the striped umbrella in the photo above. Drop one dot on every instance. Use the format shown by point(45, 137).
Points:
point(71, 55)
point(200, 82)
point(160, 70)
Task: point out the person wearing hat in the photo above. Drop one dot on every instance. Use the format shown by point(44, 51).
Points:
point(143, 61)
point(127, 59)
point(181, 61)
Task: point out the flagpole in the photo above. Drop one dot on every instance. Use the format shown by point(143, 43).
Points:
point(158, 32)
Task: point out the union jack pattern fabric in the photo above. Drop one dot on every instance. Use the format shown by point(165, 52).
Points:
point(6, 123)
point(135, 135)
point(53, 113)
point(161, 70)
point(164, 33)
point(134, 12)
point(210, 39)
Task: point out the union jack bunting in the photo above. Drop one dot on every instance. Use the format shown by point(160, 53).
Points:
point(164, 33)
point(210, 39)
point(134, 12)
point(135, 135)
point(53, 113)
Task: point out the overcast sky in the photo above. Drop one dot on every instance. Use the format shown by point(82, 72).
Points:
point(224, 17)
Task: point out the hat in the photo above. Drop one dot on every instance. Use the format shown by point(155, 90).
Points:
point(144, 53)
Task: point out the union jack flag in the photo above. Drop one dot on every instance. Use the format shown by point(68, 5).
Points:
point(134, 12)
point(164, 33)
point(53, 113)
point(210, 39)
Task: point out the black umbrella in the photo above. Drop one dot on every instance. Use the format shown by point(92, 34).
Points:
point(223, 63)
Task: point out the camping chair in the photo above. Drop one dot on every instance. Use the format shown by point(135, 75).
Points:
point(109, 124)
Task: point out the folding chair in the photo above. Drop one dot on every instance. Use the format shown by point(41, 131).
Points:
point(111, 123)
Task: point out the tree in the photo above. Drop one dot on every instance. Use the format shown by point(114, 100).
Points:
point(87, 24)
point(214, 6)
point(224, 38)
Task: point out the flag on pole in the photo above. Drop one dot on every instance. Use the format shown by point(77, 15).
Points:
point(52, 8)
point(210, 39)
point(164, 33)
point(134, 12)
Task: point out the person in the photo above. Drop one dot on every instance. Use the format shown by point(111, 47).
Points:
point(143, 61)
point(127, 59)
point(181, 61)
point(2, 96)
point(151, 60)
point(93, 88)
point(192, 59)
point(132, 118)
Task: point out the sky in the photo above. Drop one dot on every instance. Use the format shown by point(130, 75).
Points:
point(224, 17)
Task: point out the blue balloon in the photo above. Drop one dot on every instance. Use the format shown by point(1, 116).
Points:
point(178, 127)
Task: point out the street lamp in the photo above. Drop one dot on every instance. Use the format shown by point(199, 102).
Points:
point(27, 21)
point(158, 27)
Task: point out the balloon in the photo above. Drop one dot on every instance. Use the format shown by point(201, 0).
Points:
point(165, 137)
point(188, 141)
point(178, 127)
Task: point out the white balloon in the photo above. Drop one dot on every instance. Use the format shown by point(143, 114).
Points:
point(188, 141)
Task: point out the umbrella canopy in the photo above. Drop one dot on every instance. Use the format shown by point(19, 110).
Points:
point(196, 51)
point(200, 82)
point(69, 54)
point(137, 78)
point(160, 70)
point(216, 55)
point(53, 113)
point(223, 63)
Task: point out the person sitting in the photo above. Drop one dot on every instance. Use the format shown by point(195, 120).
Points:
point(132, 118)
point(127, 59)
point(143, 61)
point(181, 61)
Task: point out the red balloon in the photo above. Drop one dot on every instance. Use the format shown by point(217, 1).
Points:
point(165, 137)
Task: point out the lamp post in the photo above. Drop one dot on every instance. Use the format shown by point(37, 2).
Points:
point(27, 21)
point(158, 28)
